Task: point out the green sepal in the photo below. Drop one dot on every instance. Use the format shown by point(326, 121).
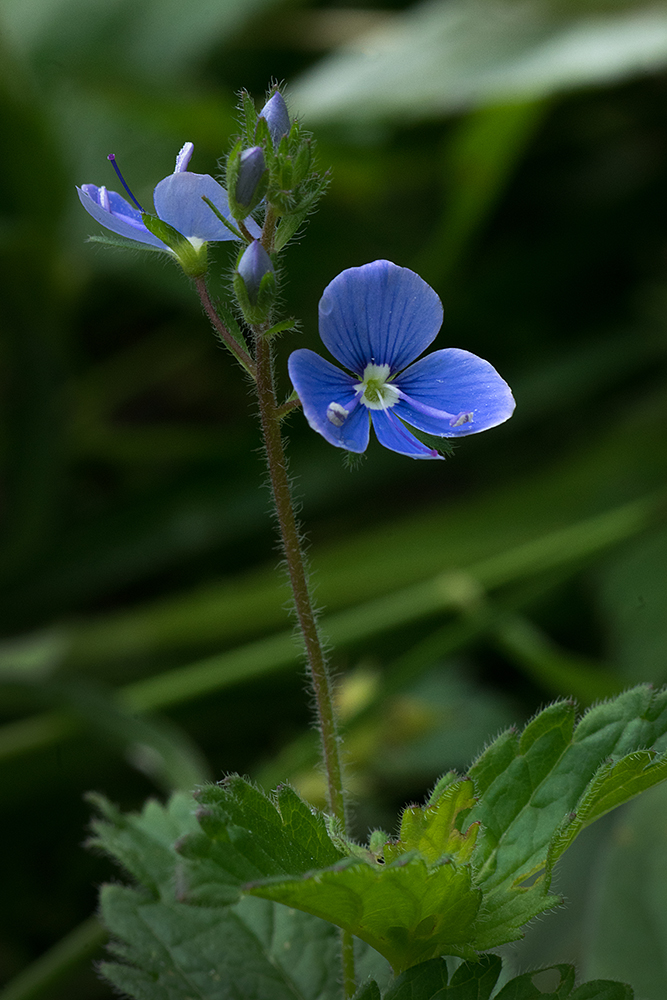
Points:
point(287, 227)
point(257, 312)
point(285, 324)
point(226, 222)
point(250, 116)
point(122, 244)
point(193, 261)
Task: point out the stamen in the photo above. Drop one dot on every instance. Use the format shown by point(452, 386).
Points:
point(112, 158)
point(337, 414)
point(104, 199)
point(183, 158)
point(465, 417)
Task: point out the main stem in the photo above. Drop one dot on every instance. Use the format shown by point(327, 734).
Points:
point(275, 454)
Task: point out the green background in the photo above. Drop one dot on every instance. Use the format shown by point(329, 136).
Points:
point(515, 155)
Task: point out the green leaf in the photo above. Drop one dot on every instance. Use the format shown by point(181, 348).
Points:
point(178, 952)
point(406, 911)
point(369, 991)
point(255, 950)
point(245, 836)
point(555, 983)
point(143, 842)
point(537, 791)
point(428, 980)
point(415, 901)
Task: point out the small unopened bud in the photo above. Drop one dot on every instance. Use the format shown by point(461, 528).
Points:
point(254, 283)
point(251, 170)
point(254, 264)
point(277, 118)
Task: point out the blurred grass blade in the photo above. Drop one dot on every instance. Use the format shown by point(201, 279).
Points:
point(58, 963)
point(572, 546)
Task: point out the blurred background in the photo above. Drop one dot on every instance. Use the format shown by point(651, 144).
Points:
point(514, 153)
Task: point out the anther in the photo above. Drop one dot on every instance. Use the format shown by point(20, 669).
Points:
point(112, 158)
point(337, 414)
point(465, 417)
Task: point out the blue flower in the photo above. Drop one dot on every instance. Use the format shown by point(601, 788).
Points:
point(178, 201)
point(376, 320)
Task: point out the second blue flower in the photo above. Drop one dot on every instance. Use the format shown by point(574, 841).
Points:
point(375, 320)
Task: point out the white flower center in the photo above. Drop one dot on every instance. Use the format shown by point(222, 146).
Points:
point(378, 393)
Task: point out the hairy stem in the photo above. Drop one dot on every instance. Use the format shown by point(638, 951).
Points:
point(280, 486)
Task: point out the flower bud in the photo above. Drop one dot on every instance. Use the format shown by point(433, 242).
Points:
point(277, 118)
point(251, 172)
point(254, 283)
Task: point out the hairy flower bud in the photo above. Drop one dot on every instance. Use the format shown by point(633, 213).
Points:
point(254, 283)
point(251, 172)
point(277, 118)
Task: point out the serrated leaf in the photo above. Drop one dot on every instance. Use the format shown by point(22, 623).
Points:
point(430, 830)
point(254, 951)
point(245, 836)
point(553, 770)
point(416, 901)
point(143, 842)
point(408, 911)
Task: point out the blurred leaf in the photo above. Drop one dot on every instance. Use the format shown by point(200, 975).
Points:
point(626, 925)
point(58, 963)
point(447, 55)
point(154, 38)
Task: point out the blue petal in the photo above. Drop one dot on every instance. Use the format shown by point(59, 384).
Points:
point(277, 118)
point(123, 219)
point(178, 201)
point(379, 314)
point(467, 391)
point(395, 436)
point(318, 384)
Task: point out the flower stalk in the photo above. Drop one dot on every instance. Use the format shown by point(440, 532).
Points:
point(277, 465)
